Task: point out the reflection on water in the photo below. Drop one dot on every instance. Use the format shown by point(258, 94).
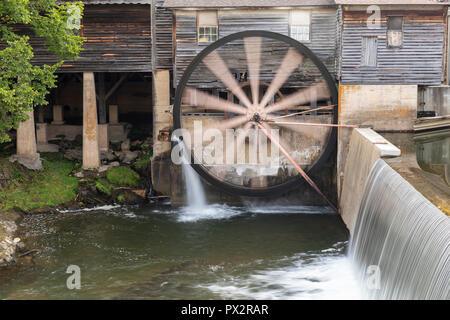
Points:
point(433, 153)
point(167, 253)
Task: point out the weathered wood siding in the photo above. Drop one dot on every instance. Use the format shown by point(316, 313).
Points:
point(118, 39)
point(162, 29)
point(323, 36)
point(418, 61)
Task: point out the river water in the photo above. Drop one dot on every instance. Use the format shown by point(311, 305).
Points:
point(160, 252)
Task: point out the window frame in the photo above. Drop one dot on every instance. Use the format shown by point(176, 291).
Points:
point(292, 24)
point(388, 30)
point(207, 26)
point(364, 50)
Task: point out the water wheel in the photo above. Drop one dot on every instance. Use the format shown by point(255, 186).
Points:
point(269, 104)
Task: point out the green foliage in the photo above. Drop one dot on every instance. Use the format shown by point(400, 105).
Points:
point(36, 189)
point(123, 176)
point(104, 186)
point(144, 162)
point(22, 84)
point(121, 197)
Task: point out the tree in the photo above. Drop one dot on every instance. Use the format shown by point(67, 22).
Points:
point(22, 84)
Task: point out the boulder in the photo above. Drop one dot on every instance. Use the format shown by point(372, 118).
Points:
point(47, 147)
point(125, 146)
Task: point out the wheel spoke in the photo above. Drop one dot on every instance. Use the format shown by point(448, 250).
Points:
point(280, 140)
point(304, 112)
point(312, 132)
point(289, 64)
point(198, 98)
point(218, 67)
point(315, 92)
point(299, 169)
point(242, 134)
point(232, 123)
point(253, 52)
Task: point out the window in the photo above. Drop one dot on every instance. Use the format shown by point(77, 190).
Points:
point(207, 28)
point(369, 51)
point(300, 25)
point(394, 32)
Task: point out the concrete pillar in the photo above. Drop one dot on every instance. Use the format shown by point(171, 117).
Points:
point(103, 137)
point(41, 133)
point(26, 144)
point(113, 114)
point(161, 104)
point(160, 166)
point(41, 115)
point(91, 154)
point(26, 139)
point(58, 114)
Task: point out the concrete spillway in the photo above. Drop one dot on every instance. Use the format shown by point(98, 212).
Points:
point(406, 237)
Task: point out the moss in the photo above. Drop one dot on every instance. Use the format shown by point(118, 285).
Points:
point(104, 186)
point(36, 189)
point(121, 198)
point(143, 162)
point(123, 176)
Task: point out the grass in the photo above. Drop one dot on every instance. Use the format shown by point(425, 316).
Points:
point(49, 187)
point(104, 186)
point(123, 176)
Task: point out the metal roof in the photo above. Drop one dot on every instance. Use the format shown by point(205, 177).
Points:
point(244, 3)
point(391, 2)
point(109, 1)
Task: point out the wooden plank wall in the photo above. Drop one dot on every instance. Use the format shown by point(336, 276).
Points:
point(162, 29)
point(418, 61)
point(118, 39)
point(323, 37)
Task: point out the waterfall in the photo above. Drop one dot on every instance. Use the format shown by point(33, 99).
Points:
point(404, 236)
point(195, 195)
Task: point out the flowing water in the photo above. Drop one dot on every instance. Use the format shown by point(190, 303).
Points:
point(402, 238)
point(162, 252)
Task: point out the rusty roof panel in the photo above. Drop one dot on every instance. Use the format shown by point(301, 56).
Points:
point(244, 3)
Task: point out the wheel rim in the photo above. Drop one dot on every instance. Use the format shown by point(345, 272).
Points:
point(295, 61)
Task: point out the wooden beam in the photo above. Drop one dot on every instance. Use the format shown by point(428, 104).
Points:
point(101, 97)
point(116, 86)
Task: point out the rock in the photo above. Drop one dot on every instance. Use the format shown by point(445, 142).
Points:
point(104, 168)
point(32, 162)
point(74, 154)
point(108, 155)
point(79, 174)
point(129, 156)
point(114, 164)
point(47, 147)
point(140, 192)
point(125, 146)
point(136, 143)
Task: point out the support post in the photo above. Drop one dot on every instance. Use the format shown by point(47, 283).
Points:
point(58, 114)
point(113, 114)
point(26, 144)
point(101, 98)
point(91, 155)
point(160, 166)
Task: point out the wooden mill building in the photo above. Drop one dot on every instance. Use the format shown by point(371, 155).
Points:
point(389, 58)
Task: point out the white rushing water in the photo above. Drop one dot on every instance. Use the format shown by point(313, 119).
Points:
point(326, 275)
point(195, 195)
point(402, 239)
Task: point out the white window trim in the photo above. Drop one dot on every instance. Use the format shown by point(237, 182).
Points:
point(292, 24)
point(206, 26)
